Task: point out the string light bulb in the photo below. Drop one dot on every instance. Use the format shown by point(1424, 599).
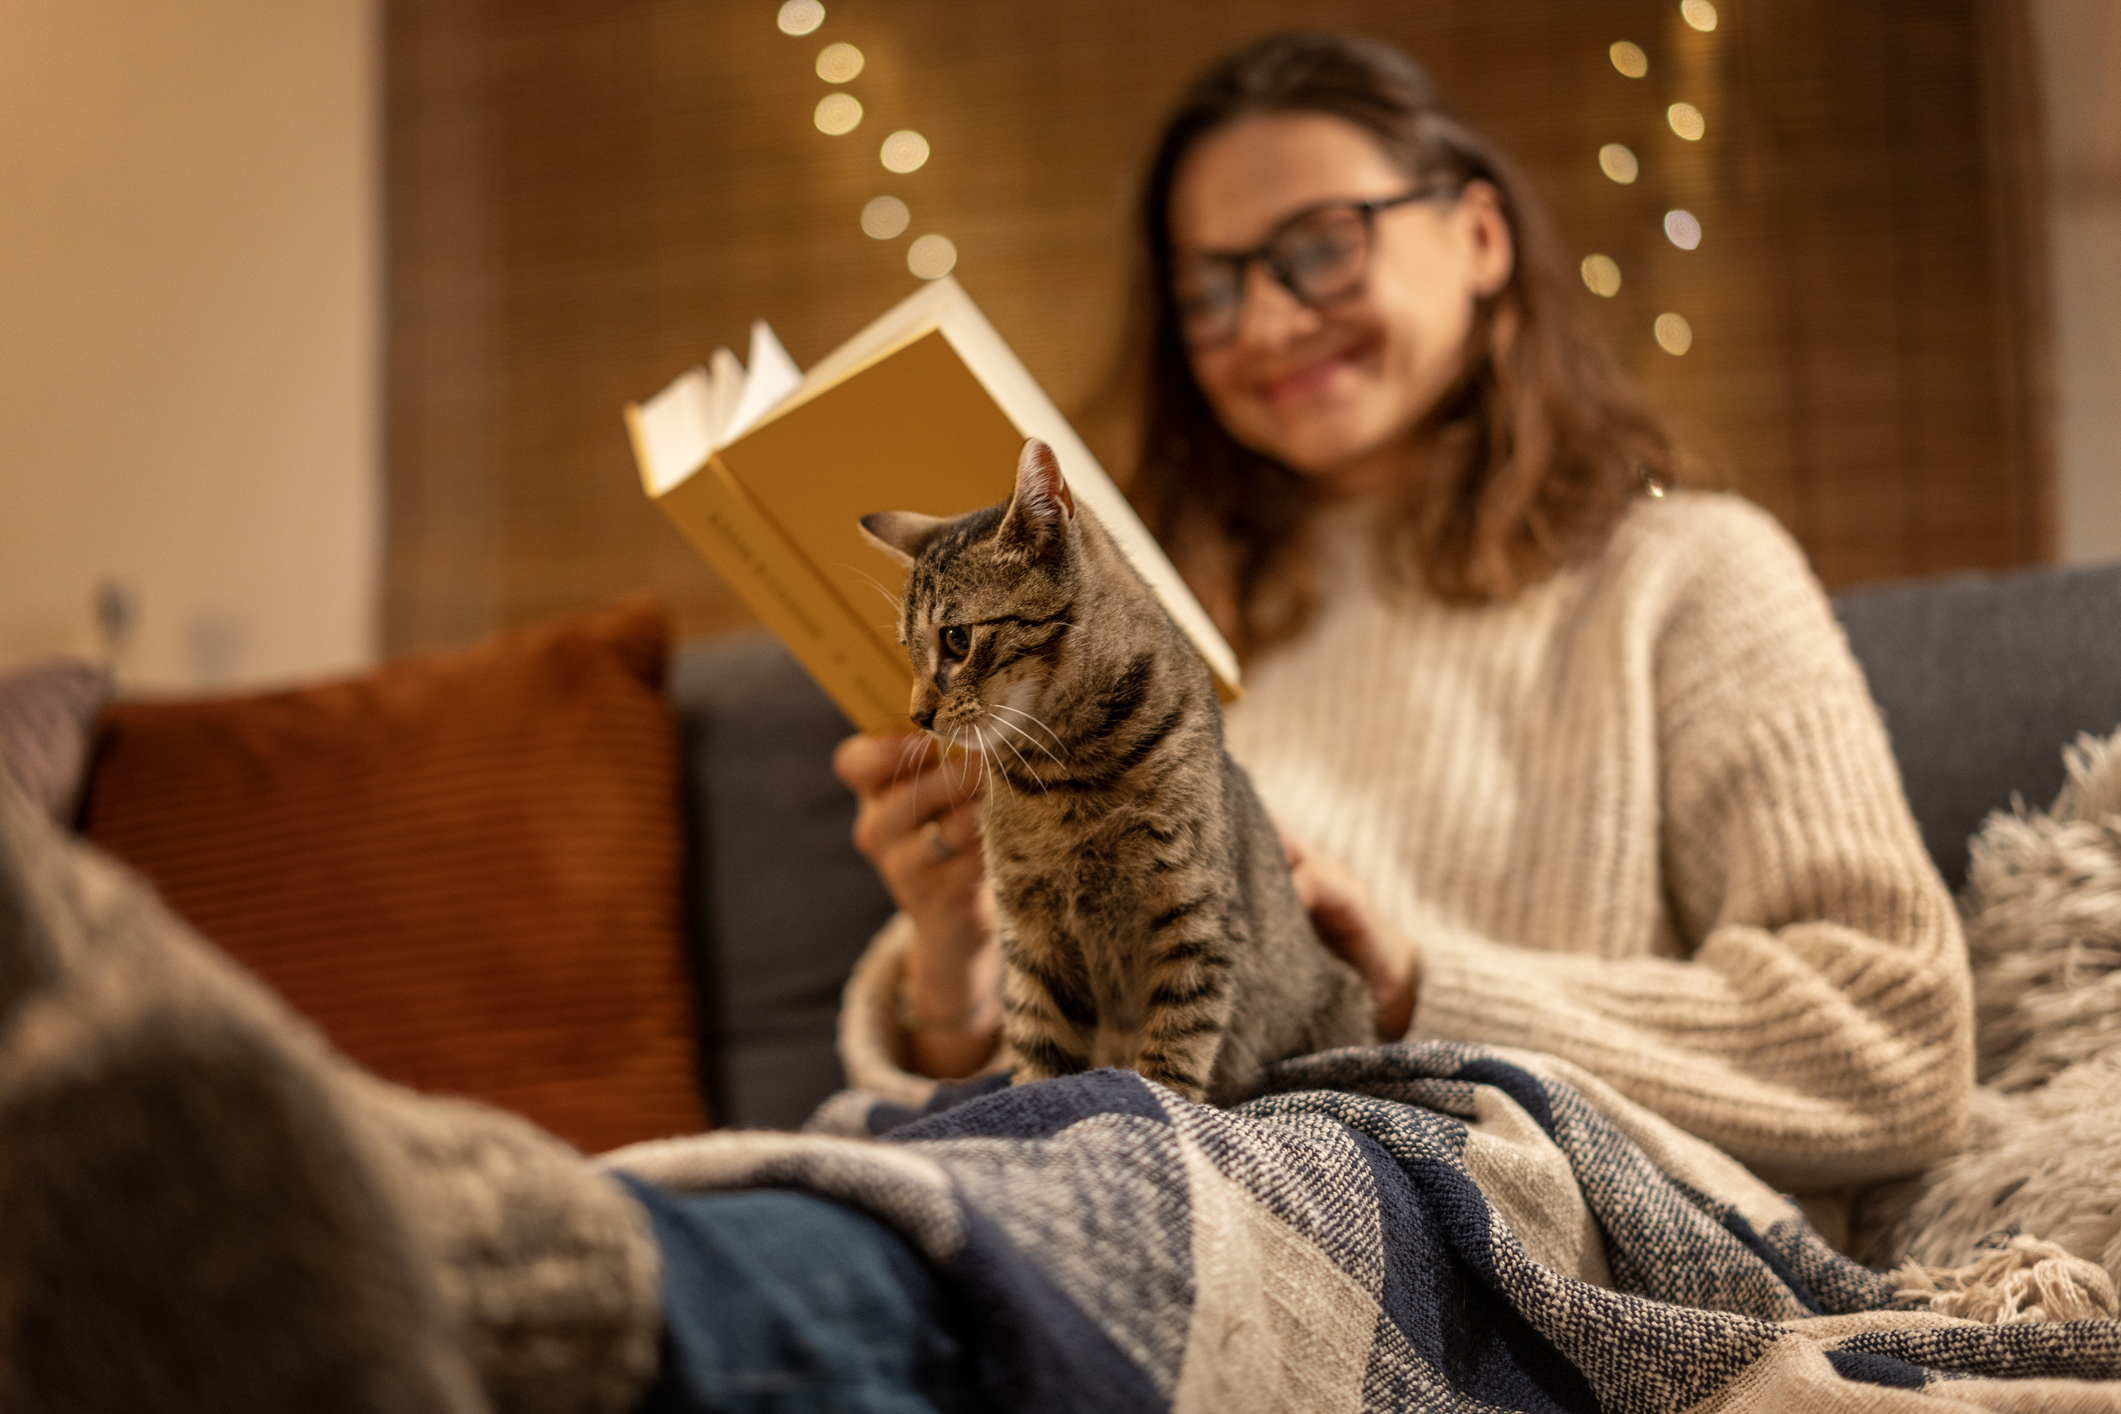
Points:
point(931, 257)
point(839, 63)
point(801, 17)
point(1601, 275)
point(838, 114)
point(904, 151)
point(885, 218)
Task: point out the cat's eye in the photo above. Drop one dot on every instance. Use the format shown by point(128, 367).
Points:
point(956, 642)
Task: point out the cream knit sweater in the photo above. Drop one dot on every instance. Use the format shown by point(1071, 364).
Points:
point(1643, 817)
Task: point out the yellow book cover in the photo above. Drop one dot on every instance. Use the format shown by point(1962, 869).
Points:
point(767, 471)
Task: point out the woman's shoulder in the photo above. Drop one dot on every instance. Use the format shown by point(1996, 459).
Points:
point(1730, 602)
point(1709, 532)
point(1712, 561)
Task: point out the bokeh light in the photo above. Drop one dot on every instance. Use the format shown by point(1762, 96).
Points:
point(1601, 275)
point(1629, 59)
point(1686, 120)
point(1698, 13)
point(838, 113)
point(885, 218)
point(839, 63)
point(1674, 335)
point(1617, 162)
point(801, 17)
point(1682, 229)
point(931, 257)
point(904, 151)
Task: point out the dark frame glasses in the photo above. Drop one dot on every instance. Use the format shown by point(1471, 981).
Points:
point(1319, 254)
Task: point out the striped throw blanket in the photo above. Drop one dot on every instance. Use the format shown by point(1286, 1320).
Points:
point(1412, 1226)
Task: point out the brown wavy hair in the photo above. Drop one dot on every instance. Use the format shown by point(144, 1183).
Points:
point(1538, 446)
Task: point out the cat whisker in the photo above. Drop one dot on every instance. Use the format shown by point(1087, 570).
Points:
point(915, 750)
point(897, 602)
point(1034, 721)
point(986, 756)
point(1042, 789)
point(1034, 741)
point(965, 760)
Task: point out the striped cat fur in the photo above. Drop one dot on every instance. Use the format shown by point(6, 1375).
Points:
point(1146, 913)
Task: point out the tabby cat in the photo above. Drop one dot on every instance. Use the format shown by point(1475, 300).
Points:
point(1146, 913)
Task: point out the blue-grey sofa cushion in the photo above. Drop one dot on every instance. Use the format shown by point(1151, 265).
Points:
point(1982, 679)
point(781, 904)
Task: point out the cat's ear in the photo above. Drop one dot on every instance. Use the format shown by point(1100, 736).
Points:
point(900, 534)
point(1040, 510)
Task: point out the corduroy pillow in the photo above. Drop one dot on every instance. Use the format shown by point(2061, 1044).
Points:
point(465, 869)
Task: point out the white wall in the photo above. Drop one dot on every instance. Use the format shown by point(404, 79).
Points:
point(2080, 60)
point(189, 332)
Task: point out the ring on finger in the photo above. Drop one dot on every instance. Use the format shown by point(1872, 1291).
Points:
point(938, 846)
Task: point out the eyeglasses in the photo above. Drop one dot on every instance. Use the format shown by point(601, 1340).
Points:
point(1320, 254)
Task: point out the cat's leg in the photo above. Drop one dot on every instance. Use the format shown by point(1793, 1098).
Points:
point(1048, 1018)
point(1190, 999)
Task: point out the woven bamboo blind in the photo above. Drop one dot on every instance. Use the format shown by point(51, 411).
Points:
point(587, 196)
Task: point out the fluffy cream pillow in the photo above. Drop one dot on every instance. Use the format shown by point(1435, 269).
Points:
point(2043, 1153)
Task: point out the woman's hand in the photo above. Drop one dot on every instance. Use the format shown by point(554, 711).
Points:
point(1346, 919)
point(916, 822)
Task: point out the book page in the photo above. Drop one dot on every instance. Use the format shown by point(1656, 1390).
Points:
point(674, 431)
point(772, 378)
point(725, 377)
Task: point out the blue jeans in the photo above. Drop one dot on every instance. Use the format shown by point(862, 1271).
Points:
point(790, 1303)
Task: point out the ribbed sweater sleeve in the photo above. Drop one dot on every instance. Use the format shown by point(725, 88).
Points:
point(1820, 1029)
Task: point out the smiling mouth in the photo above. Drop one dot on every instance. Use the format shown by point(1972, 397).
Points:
point(1307, 379)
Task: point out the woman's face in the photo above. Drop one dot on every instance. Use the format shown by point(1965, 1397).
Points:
point(1335, 392)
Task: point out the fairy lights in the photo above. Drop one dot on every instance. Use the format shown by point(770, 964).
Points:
point(931, 257)
point(801, 17)
point(883, 218)
point(839, 63)
point(886, 218)
point(1601, 275)
point(904, 151)
point(1629, 59)
point(838, 114)
point(1624, 167)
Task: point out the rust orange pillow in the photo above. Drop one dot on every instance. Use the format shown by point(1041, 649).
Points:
point(465, 869)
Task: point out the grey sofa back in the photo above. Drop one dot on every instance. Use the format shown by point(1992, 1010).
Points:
point(1981, 681)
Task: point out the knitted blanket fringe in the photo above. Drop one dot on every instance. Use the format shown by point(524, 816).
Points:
point(2023, 1280)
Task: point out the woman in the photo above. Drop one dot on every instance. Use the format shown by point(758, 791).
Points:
point(1579, 765)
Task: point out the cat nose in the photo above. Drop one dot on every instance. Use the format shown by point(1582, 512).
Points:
point(925, 719)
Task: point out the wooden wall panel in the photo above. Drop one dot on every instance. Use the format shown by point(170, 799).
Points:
point(586, 196)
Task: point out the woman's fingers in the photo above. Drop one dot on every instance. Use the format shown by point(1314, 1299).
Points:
point(916, 798)
point(1347, 922)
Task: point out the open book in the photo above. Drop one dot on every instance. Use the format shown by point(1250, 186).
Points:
point(767, 470)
